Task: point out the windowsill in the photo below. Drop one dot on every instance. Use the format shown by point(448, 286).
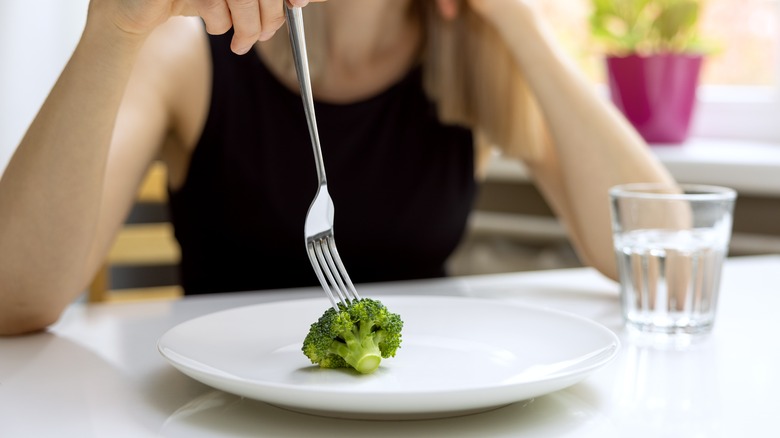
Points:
point(752, 168)
point(747, 166)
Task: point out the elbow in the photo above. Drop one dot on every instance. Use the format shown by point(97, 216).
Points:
point(607, 268)
point(19, 323)
point(23, 316)
point(602, 261)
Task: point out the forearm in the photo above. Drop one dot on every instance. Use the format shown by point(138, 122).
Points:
point(592, 147)
point(50, 192)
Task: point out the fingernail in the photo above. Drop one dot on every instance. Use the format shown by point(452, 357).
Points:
point(265, 36)
point(243, 50)
point(299, 3)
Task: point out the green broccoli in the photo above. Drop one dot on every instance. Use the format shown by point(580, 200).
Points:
point(357, 336)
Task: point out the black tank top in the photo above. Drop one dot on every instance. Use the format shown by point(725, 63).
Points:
point(402, 183)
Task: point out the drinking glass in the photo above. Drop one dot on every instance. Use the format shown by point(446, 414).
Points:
point(670, 242)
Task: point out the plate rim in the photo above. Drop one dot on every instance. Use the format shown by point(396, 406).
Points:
point(565, 378)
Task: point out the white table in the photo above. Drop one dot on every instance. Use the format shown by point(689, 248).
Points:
point(97, 372)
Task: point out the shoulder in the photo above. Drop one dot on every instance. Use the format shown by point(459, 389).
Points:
point(172, 79)
point(176, 63)
point(175, 54)
point(177, 37)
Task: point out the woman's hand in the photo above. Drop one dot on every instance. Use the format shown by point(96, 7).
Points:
point(251, 20)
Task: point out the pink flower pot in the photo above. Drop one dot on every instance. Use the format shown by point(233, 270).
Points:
point(656, 93)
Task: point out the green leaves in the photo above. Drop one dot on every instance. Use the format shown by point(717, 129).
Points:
point(679, 19)
point(646, 26)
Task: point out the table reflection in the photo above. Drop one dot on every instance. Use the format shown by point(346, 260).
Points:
point(217, 413)
point(673, 390)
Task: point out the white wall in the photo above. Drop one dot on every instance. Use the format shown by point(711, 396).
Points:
point(36, 40)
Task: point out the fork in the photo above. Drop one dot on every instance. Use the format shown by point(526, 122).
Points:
point(318, 229)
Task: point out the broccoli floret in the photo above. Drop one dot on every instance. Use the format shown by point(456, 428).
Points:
point(358, 335)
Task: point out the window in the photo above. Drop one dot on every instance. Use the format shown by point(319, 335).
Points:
point(739, 95)
point(36, 40)
point(746, 31)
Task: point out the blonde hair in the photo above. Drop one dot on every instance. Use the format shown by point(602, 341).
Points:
point(469, 72)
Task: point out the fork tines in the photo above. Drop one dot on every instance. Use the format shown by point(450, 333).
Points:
point(330, 270)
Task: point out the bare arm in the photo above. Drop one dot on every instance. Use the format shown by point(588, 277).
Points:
point(50, 193)
point(73, 177)
point(592, 146)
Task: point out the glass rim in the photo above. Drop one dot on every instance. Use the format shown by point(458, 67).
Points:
point(691, 192)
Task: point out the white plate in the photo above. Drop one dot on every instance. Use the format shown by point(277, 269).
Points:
point(458, 356)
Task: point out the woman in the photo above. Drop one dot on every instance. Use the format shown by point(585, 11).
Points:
point(411, 95)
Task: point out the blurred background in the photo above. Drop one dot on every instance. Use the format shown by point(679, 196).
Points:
point(36, 39)
point(738, 100)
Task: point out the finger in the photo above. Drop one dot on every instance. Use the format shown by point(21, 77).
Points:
point(271, 18)
point(246, 24)
point(448, 8)
point(215, 14)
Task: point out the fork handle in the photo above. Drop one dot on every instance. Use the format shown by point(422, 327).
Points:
point(294, 17)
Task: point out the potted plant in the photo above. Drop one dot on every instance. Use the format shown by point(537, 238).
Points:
point(654, 56)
